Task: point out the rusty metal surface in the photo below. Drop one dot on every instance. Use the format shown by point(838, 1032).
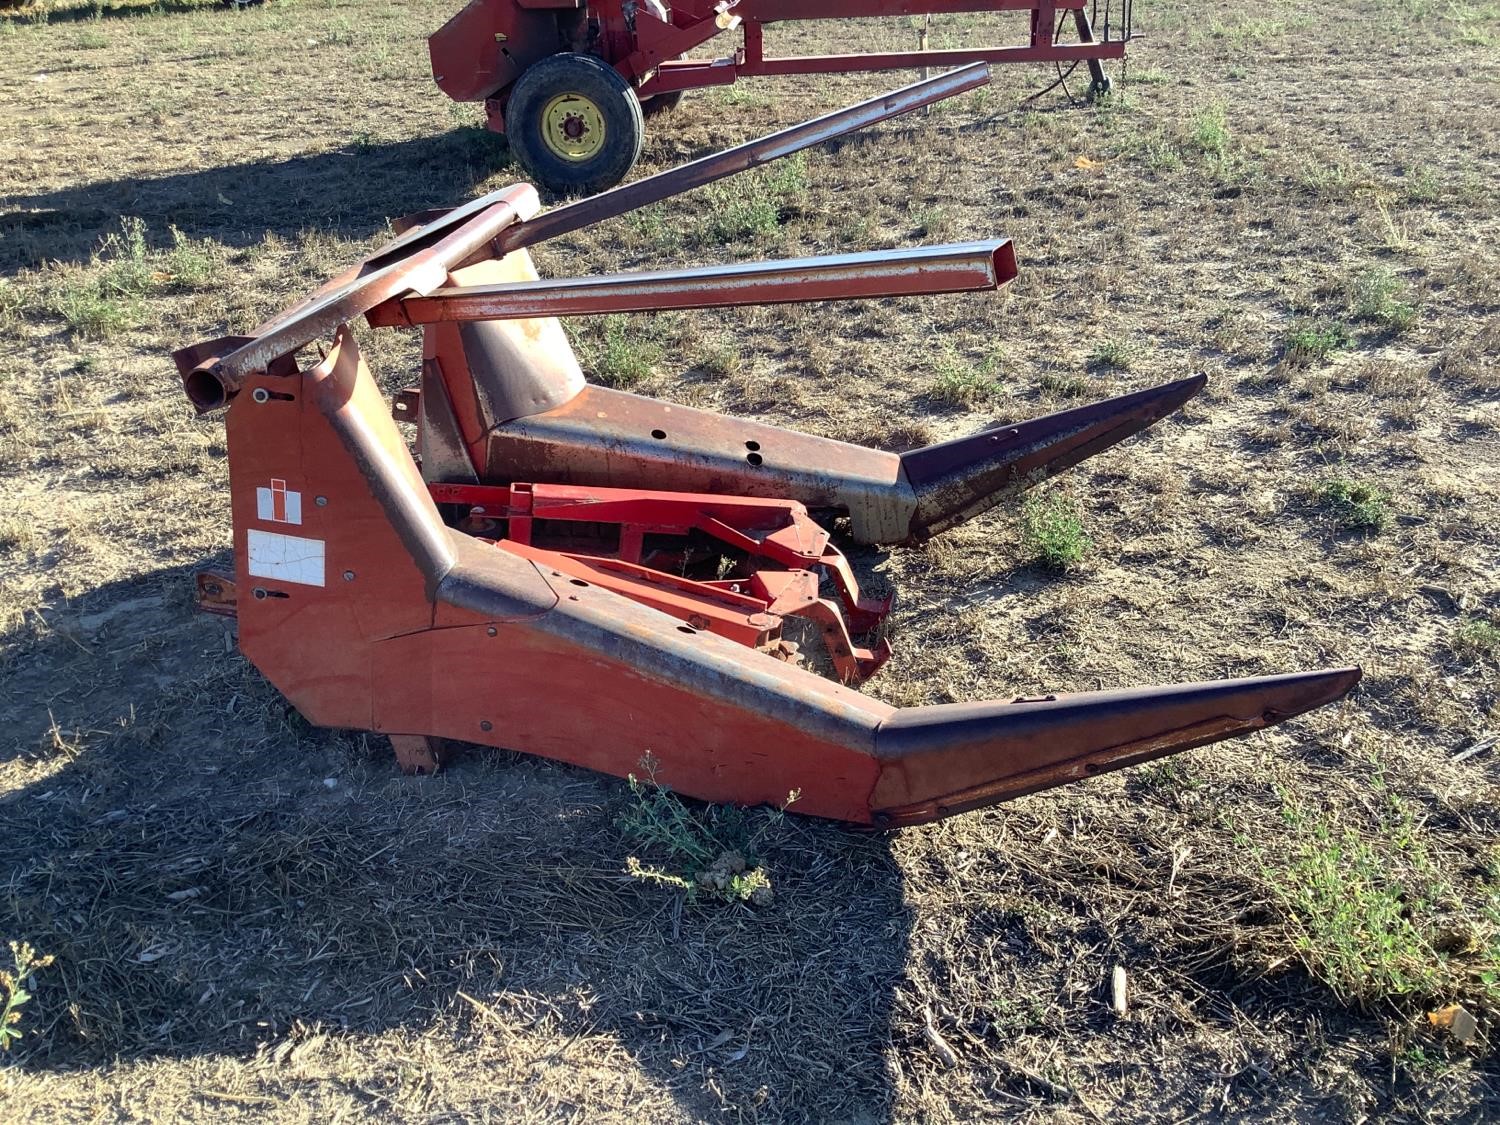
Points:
point(342, 389)
point(517, 367)
point(216, 592)
point(410, 264)
point(608, 437)
point(440, 444)
point(951, 757)
point(781, 558)
point(754, 724)
point(958, 480)
point(967, 267)
point(416, 753)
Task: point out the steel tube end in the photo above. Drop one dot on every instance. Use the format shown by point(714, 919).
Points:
point(206, 388)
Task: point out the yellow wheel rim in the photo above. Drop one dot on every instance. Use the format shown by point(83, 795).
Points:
point(573, 127)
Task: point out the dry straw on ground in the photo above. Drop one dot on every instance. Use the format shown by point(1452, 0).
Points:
point(256, 920)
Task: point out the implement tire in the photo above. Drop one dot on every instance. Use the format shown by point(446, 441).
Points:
point(574, 124)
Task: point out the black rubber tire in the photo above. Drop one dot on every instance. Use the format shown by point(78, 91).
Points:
point(619, 108)
point(662, 103)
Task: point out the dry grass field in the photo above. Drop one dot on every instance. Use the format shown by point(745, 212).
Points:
point(256, 920)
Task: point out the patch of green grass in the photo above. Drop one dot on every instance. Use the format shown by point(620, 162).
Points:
point(1161, 155)
point(1313, 341)
point(1052, 531)
point(1356, 505)
point(13, 985)
point(719, 358)
point(657, 225)
point(1352, 919)
point(1209, 131)
point(1339, 180)
point(788, 176)
point(1378, 296)
point(741, 95)
point(190, 264)
point(1063, 384)
point(1115, 353)
point(105, 296)
point(958, 382)
point(1422, 184)
point(90, 312)
point(1476, 638)
point(711, 850)
point(930, 221)
point(13, 302)
point(750, 208)
point(1248, 31)
point(623, 355)
point(1376, 920)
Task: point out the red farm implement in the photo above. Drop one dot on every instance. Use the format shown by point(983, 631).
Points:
point(570, 81)
point(595, 576)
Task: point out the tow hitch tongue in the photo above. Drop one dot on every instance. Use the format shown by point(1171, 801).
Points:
point(593, 576)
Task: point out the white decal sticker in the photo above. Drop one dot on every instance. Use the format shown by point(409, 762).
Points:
point(277, 505)
point(288, 558)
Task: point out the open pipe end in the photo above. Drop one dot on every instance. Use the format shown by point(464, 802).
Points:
point(1006, 269)
point(205, 388)
point(202, 370)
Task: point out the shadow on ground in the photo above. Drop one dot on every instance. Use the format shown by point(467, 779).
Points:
point(100, 10)
point(350, 192)
point(213, 877)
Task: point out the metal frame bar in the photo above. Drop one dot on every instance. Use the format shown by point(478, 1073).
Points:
point(961, 268)
point(653, 61)
point(753, 154)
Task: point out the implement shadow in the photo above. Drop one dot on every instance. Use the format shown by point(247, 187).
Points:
point(351, 192)
point(216, 879)
point(80, 13)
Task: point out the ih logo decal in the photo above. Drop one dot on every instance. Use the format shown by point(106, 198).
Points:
point(277, 505)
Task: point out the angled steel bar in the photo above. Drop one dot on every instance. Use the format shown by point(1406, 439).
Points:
point(675, 181)
point(417, 262)
point(960, 268)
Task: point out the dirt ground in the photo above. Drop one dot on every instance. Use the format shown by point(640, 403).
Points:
point(254, 919)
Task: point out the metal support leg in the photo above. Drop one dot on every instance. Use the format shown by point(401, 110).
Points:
point(1099, 83)
point(417, 754)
